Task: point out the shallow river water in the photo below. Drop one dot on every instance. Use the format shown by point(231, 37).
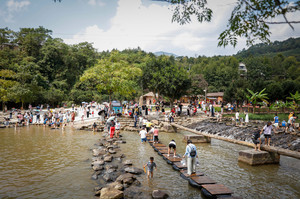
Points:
point(43, 163)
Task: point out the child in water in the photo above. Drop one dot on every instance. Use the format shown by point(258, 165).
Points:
point(150, 166)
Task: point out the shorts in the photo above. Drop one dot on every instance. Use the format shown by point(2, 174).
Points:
point(156, 138)
point(237, 120)
point(255, 141)
point(276, 125)
point(144, 139)
point(172, 146)
point(267, 136)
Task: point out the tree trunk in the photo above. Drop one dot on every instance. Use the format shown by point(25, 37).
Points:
point(22, 105)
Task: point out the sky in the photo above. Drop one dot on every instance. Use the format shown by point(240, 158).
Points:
point(123, 24)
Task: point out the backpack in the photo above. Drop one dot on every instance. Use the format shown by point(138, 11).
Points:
point(193, 152)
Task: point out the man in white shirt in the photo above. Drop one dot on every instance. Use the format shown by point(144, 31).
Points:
point(143, 134)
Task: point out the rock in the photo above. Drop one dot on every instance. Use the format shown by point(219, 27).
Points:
point(108, 159)
point(110, 170)
point(128, 181)
point(107, 177)
point(158, 194)
point(98, 162)
point(95, 159)
point(122, 156)
point(95, 175)
point(116, 185)
point(111, 193)
point(110, 147)
point(111, 151)
point(136, 192)
point(134, 170)
point(127, 162)
point(155, 122)
point(124, 176)
point(98, 152)
point(97, 190)
point(107, 167)
point(98, 167)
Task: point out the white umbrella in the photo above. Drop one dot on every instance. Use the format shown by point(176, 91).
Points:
point(111, 118)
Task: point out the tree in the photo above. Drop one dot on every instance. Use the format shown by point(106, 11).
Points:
point(250, 18)
point(295, 99)
point(175, 83)
point(110, 77)
point(6, 83)
point(257, 97)
point(198, 85)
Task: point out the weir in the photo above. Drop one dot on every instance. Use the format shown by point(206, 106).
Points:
point(274, 152)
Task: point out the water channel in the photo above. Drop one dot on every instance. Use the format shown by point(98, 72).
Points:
point(43, 163)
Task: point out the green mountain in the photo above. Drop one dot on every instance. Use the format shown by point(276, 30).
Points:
point(289, 47)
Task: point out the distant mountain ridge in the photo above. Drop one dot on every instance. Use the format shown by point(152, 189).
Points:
point(159, 53)
point(289, 47)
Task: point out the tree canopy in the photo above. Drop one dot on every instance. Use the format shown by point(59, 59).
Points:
point(250, 19)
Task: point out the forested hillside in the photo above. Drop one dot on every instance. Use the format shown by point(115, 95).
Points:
point(289, 47)
point(36, 68)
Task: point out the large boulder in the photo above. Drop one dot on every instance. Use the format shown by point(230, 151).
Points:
point(111, 193)
point(167, 127)
point(134, 170)
point(158, 194)
point(122, 177)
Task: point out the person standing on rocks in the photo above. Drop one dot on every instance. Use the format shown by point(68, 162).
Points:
point(135, 119)
point(255, 137)
point(112, 129)
point(237, 117)
point(118, 128)
point(276, 121)
point(267, 130)
point(150, 167)
point(191, 154)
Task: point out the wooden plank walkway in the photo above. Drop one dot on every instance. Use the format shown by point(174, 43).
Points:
point(198, 177)
point(217, 189)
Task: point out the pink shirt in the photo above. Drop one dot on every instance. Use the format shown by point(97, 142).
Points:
point(155, 132)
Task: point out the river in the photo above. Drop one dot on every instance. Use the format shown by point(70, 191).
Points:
point(41, 163)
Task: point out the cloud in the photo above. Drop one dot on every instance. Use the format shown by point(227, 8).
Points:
point(14, 7)
point(149, 27)
point(96, 2)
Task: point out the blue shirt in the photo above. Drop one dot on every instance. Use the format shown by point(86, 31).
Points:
point(188, 149)
point(276, 119)
point(283, 123)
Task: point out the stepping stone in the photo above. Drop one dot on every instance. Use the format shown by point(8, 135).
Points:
point(165, 151)
point(184, 172)
point(217, 189)
point(179, 165)
point(203, 180)
point(161, 148)
point(159, 145)
point(172, 159)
